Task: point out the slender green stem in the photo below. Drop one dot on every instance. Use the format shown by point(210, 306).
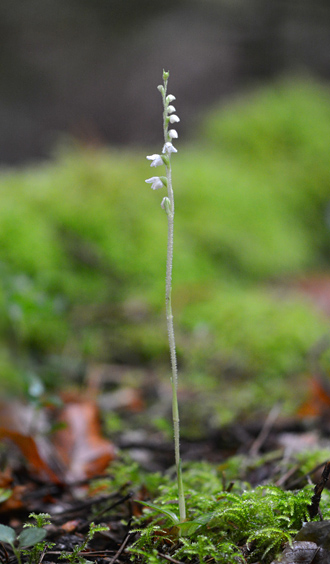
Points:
point(170, 326)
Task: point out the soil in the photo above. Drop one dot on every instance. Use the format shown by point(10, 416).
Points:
point(73, 506)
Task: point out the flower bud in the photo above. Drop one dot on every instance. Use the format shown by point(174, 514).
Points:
point(166, 205)
point(173, 134)
point(174, 119)
point(171, 109)
point(170, 98)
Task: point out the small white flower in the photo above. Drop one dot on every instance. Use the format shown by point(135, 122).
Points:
point(170, 98)
point(173, 134)
point(169, 148)
point(155, 182)
point(174, 119)
point(171, 109)
point(156, 160)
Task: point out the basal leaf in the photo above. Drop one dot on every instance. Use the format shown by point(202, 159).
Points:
point(172, 516)
point(7, 534)
point(31, 536)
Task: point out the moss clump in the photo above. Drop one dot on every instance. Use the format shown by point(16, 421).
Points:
point(229, 527)
point(82, 247)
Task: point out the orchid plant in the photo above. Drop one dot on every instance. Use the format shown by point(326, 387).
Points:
point(170, 118)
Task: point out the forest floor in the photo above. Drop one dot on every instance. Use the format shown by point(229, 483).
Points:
point(57, 459)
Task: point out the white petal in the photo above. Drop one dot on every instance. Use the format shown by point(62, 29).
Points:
point(155, 182)
point(156, 160)
point(152, 157)
point(169, 148)
point(173, 134)
point(174, 119)
point(170, 98)
point(171, 109)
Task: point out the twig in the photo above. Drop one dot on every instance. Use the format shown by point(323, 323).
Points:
point(104, 510)
point(313, 508)
point(286, 476)
point(121, 548)
point(42, 555)
point(268, 424)
point(169, 558)
point(298, 481)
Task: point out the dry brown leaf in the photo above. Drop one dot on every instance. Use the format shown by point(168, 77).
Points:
point(318, 402)
point(29, 448)
point(71, 526)
point(83, 450)
point(72, 454)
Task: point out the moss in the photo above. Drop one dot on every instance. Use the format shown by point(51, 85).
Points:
point(83, 238)
point(242, 525)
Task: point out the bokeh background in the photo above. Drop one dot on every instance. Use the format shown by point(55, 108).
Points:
point(88, 69)
point(83, 238)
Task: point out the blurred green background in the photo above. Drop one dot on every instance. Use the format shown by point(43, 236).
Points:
point(83, 238)
point(83, 248)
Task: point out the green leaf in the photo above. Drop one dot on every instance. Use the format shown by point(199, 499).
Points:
point(7, 534)
point(172, 516)
point(188, 528)
point(4, 494)
point(30, 537)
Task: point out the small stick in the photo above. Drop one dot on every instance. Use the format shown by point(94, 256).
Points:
point(313, 508)
point(169, 558)
point(121, 548)
point(296, 482)
point(268, 424)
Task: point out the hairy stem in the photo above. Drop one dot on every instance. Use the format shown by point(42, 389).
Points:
point(170, 327)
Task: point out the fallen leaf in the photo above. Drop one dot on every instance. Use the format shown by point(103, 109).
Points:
point(71, 526)
point(318, 402)
point(310, 546)
point(303, 553)
point(80, 445)
point(73, 453)
point(27, 428)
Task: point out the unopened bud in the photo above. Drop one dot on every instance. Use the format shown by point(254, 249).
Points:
point(166, 205)
point(170, 98)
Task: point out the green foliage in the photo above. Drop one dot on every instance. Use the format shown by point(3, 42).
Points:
point(81, 244)
point(237, 526)
point(126, 475)
point(5, 494)
point(41, 520)
point(310, 459)
point(31, 537)
point(280, 136)
point(75, 556)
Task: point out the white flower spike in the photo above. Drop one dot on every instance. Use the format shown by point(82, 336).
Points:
point(167, 204)
point(156, 160)
point(169, 148)
point(155, 182)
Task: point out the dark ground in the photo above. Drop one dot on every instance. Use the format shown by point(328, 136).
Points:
point(65, 483)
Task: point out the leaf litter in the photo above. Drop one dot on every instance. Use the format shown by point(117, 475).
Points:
point(57, 460)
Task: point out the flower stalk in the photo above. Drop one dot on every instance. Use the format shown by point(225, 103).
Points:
point(168, 205)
